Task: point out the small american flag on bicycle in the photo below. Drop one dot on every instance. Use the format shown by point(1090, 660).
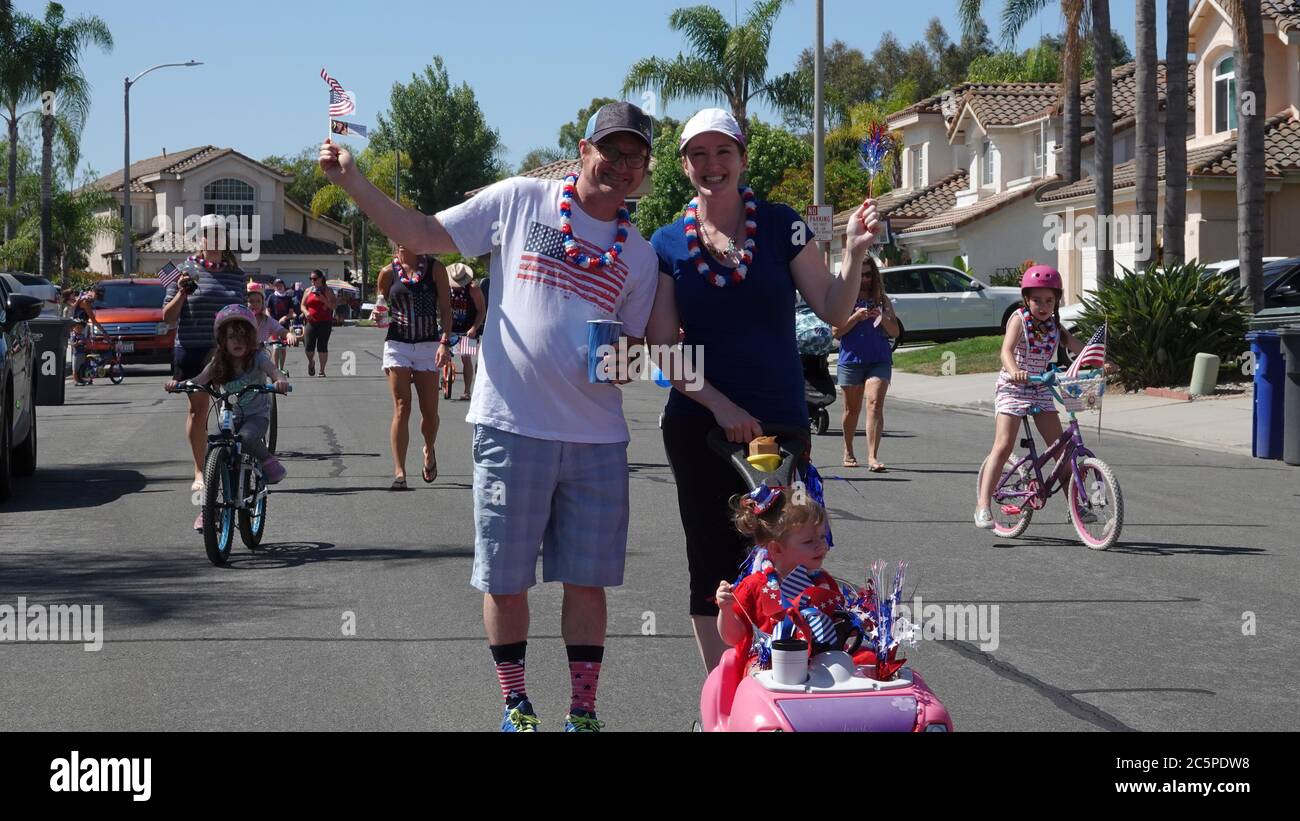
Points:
point(341, 102)
point(169, 273)
point(1093, 354)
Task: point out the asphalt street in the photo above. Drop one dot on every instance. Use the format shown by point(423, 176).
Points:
point(1150, 635)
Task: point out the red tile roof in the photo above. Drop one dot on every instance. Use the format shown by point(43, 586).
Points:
point(918, 203)
point(1281, 154)
point(177, 162)
point(966, 214)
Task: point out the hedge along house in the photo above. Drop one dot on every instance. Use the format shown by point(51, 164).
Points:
point(173, 188)
point(1210, 231)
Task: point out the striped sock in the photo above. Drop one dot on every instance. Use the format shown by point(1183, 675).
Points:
point(584, 675)
point(509, 659)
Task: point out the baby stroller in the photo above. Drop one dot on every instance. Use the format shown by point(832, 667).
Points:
point(815, 340)
point(834, 688)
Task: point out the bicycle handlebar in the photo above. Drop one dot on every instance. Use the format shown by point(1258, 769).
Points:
point(1050, 377)
point(190, 387)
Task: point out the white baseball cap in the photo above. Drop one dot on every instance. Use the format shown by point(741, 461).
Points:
point(711, 119)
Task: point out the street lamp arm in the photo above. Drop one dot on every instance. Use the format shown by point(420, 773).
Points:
point(137, 77)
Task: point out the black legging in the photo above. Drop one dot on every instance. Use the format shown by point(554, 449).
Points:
point(318, 336)
point(705, 484)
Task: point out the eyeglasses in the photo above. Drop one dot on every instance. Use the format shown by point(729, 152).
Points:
point(612, 155)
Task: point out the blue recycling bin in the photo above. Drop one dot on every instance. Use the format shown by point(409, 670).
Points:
point(1270, 378)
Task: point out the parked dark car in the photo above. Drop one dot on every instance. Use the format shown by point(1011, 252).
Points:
point(17, 396)
point(1282, 283)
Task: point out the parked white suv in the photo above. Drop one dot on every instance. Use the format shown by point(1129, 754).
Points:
point(939, 303)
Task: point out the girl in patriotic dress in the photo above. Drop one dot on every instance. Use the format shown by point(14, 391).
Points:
point(1028, 348)
point(788, 589)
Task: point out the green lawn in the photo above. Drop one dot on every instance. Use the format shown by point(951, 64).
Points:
point(979, 354)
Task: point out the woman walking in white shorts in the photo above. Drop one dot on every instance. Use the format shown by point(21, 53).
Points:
point(417, 346)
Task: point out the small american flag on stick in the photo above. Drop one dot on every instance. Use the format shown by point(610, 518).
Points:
point(1093, 354)
point(169, 274)
point(341, 103)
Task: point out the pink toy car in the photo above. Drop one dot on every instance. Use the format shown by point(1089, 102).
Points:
point(836, 697)
point(836, 692)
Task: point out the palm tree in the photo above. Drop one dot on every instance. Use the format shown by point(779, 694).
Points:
point(57, 46)
point(1147, 140)
point(17, 89)
point(1104, 147)
point(1248, 57)
point(1015, 15)
point(729, 62)
point(1175, 211)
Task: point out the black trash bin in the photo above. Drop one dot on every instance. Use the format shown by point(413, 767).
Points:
point(50, 338)
point(1291, 402)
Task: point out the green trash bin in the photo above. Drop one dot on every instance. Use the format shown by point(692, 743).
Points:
point(50, 339)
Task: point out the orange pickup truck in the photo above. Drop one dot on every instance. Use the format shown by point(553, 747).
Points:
point(132, 309)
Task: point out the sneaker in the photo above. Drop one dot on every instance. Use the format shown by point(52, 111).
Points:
point(581, 721)
point(198, 523)
point(983, 518)
point(1086, 517)
point(272, 471)
point(520, 718)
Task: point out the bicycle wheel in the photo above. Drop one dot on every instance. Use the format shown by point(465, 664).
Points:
point(275, 425)
point(1098, 513)
point(1011, 515)
point(252, 520)
point(218, 503)
point(116, 373)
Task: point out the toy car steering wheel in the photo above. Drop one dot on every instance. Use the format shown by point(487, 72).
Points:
point(845, 628)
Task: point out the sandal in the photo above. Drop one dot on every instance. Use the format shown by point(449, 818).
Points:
point(878, 467)
point(399, 484)
point(850, 462)
point(428, 474)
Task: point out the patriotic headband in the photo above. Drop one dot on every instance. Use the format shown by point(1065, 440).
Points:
point(760, 499)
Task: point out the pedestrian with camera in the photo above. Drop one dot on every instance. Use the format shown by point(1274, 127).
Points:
point(209, 281)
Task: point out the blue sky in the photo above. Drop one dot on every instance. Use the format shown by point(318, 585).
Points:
point(532, 65)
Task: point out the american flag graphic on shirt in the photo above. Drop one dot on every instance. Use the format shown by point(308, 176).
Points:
point(544, 262)
point(415, 313)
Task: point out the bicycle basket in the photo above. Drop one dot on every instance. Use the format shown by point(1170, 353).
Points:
point(1080, 394)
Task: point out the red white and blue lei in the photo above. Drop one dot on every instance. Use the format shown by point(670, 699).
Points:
point(571, 247)
point(408, 280)
point(692, 226)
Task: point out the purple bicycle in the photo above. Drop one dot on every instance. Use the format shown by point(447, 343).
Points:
point(1096, 502)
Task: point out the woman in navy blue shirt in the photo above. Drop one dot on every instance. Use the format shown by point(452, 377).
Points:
point(866, 363)
point(729, 270)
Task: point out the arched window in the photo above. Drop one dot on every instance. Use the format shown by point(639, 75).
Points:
point(1225, 95)
point(229, 197)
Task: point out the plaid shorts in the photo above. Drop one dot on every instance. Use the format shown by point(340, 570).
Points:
point(567, 501)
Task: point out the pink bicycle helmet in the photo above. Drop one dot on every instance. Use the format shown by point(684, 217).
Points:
point(233, 313)
point(1042, 276)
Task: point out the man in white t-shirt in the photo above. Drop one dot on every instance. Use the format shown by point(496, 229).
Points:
point(550, 448)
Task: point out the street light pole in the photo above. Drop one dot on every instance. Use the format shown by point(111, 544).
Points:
point(127, 248)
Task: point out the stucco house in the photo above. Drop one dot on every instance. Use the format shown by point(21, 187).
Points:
point(283, 239)
point(977, 160)
point(1210, 231)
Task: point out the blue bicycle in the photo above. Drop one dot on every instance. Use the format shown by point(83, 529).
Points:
point(234, 490)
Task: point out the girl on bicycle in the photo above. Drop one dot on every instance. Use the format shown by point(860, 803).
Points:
point(1028, 348)
point(267, 326)
point(237, 363)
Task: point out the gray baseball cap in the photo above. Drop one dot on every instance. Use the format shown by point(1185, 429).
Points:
point(615, 117)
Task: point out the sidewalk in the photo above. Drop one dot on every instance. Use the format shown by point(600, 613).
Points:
point(1214, 424)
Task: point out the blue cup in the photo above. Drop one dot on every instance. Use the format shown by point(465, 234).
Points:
point(600, 332)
